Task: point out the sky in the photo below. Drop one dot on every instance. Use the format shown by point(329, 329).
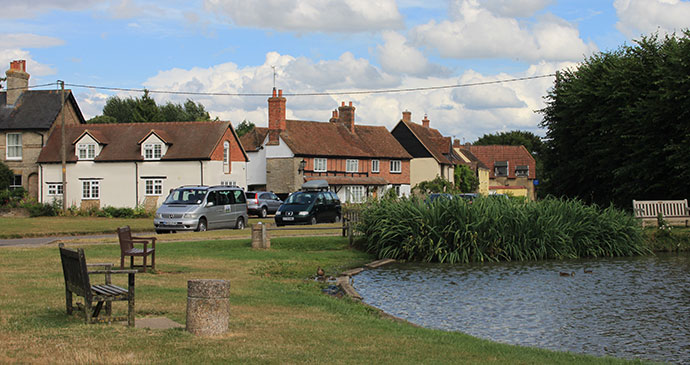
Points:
point(328, 46)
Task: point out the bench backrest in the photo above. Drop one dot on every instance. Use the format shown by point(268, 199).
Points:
point(74, 269)
point(667, 208)
point(124, 234)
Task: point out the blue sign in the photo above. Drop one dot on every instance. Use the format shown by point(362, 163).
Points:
point(535, 182)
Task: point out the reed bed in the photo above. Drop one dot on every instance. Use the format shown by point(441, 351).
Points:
point(497, 229)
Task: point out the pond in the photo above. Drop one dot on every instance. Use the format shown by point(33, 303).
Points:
point(633, 308)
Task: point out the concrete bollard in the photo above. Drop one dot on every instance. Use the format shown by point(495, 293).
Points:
point(260, 237)
point(208, 306)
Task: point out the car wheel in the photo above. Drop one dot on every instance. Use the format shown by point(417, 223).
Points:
point(313, 220)
point(203, 226)
point(240, 223)
point(160, 231)
point(279, 224)
point(263, 212)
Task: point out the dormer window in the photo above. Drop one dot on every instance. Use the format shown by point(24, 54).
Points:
point(501, 168)
point(86, 151)
point(522, 171)
point(153, 151)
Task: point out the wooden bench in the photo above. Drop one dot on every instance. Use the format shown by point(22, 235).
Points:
point(77, 282)
point(673, 211)
point(127, 248)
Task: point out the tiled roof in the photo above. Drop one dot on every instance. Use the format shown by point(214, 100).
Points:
point(515, 155)
point(187, 140)
point(334, 139)
point(350, 180)
point(35, 109)
point(438, 145)
point(253, 139)
point(473, 159)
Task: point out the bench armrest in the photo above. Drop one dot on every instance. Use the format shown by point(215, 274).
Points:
point(104, 264)
point(143, 238)
point(145, 242)
point(113, 272)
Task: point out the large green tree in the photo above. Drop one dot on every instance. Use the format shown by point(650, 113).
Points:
point(244, 128)
point(145, 109)
point(618, 125)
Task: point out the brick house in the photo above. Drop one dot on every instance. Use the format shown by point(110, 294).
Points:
point(130, 164)
point(512, 169)
point(27, 119)
point(432, 153)
point(358, 161)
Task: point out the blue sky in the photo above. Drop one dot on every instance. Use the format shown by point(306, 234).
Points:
point(229, 46)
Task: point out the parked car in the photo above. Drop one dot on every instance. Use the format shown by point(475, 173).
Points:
point(434, 196)
point(468, 196)
point(198, 208)
point(262, 203)
point(312, 205)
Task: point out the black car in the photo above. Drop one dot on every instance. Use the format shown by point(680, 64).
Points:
point(309, 207)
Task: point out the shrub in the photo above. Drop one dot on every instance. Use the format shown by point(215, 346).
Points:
point(37, 209)
point(453, 230)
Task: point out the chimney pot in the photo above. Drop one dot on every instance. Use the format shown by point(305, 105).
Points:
point(274, 92)
point(350, 103)
point(407, 116)
point(280, 93)
point(425, 121)
point(343, 104)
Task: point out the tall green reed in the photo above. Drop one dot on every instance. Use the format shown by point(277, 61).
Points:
point(494, 229)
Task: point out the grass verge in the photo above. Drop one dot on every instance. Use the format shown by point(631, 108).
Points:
point(278, 315)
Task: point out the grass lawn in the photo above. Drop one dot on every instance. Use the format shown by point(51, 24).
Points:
point(278, 315)
point(68, 226)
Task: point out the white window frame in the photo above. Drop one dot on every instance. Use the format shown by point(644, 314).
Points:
point(86, 151)
point(498, 168)
point(396, 166)
point(375, 166)
point(55, 189)
point(153, 187)
point(355, 193)
point(226, 157)
point(90, 189)
point(352, 165)
point(153, 151)
point(320, 164)
point(522, 174)
point(14, 146)
point(13, 182)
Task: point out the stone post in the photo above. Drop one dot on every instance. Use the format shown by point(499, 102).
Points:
point(208, 306)
point(260, 236)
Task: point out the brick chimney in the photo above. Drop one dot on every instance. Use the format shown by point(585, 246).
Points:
point(17, 81)
point(334, 117)
point(456, 143)
point(407, 116)
point(425, 122)
point(347, 116)
point(276, 116)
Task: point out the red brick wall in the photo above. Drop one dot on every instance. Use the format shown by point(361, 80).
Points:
point(236, 154)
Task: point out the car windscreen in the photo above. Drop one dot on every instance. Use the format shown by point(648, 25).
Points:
point(300, 198)
point(186, 196)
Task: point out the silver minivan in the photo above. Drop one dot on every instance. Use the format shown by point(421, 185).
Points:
point(198, 208)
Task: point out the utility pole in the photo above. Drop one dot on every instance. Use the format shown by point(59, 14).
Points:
point(63, 148)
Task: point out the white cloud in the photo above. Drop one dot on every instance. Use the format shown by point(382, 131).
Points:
point(28, 9)
point(475, 32)
point(515, 8)
point(35, 69)
point(397, 56)
point(27, 40)
point(649, 16)
point(310, 15)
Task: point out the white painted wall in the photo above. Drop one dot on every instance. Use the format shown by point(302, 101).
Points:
point(256, 167)
point(279, 151)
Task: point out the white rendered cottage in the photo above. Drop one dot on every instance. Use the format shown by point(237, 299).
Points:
point(125, 165)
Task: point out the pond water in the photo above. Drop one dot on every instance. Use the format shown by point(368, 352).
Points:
point(633, 308)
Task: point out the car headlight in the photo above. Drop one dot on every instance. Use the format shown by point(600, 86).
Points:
point(158, 215)
point(190, 215)
point(304, 212)
point(279, 213)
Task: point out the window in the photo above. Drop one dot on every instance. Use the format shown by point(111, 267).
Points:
point(395, 166)
point(354, 194)
point(90, 189)
point(87, 151)
point(153, 151)
point(154, 186)
point(14, 146)
point(501, 168)
point(522, 171)
point(374, 165)
point(352, 166)
point(226, 157)
point(16, 182)
point(55, 189)
point(228, 183)
point(397, 189)
point(320, 165)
